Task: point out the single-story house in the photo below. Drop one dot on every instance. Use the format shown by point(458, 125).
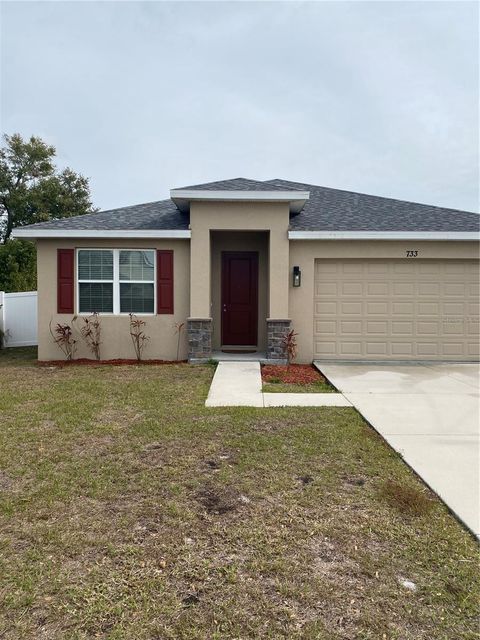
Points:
point(241, 262)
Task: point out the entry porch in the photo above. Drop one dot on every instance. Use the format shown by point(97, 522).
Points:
point(238, 278)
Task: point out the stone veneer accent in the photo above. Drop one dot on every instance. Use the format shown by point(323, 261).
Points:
point(199, 332)
point(276, 329)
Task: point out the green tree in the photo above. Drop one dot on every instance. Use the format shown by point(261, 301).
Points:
point(33, 190)
point(18, 266)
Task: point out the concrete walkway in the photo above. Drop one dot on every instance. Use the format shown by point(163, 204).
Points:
point(236, 384)
point(430, 414)
point(239, 384)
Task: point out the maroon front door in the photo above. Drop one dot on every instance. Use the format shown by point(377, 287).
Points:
point(239, 298)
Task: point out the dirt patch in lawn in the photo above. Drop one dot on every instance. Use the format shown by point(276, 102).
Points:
point(6, 482)
point(219, 500)
point(330, 560)
point(354, 481)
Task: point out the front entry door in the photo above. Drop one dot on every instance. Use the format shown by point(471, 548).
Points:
point(239, 298)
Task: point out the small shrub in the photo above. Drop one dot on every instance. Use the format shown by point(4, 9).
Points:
point(63, 337)
point(138, 335)
point(178, 332)
point(91, 332)
point(289, 343)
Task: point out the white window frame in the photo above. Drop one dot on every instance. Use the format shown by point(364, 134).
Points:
point(116, 281)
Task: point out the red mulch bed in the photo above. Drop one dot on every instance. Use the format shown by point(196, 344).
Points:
point(291, 374)
point(95, 363)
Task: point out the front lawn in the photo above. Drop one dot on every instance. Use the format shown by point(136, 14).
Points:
point(128, 510)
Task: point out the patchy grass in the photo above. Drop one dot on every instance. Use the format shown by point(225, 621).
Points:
point(18, 355)
point(313, 387)
point(129, 510)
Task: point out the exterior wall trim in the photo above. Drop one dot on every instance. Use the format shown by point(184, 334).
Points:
point(182, 197)
point(292, 235)
point(205, 194)
point(99, 233)
point(384, 235)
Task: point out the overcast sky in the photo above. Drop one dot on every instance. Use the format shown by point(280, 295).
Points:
point(377, 97)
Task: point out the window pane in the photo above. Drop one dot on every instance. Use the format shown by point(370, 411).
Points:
point(137, 265)
point(96, 296)
point(136, 298)
point(95, 265)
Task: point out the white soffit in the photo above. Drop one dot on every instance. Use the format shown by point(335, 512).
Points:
point(100, 233)
point(383, 235)
point(183, 197)
point(33, 233)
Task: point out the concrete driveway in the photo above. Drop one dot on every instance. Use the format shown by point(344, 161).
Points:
point(430, 414)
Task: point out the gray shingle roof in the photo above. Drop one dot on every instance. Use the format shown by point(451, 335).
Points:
point(152, 215)
point(326, 210)
point(238, 184)
point(336, 210)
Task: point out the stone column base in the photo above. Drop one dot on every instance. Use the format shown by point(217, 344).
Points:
point(276, 330)
point(199, 331)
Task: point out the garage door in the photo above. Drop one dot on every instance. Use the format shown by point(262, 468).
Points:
point(397, 310)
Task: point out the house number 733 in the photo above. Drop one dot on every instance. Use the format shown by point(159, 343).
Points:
point(412, 253)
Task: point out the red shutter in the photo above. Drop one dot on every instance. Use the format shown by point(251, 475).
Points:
point(164, 281)
point(65, 260)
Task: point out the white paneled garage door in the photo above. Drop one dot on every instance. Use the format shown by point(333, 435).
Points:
point(396, 309)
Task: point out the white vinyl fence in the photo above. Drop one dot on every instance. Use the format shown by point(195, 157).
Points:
point(18, 318)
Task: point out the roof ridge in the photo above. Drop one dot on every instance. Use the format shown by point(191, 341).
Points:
point(231, 184)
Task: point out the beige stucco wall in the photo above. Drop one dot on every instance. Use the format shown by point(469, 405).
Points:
point(115, 329)
point(239, 241)
point(197, 275)
point(239, 216)
point(304, 253)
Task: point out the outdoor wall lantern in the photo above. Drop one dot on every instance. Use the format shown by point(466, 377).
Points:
point(297, 277)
